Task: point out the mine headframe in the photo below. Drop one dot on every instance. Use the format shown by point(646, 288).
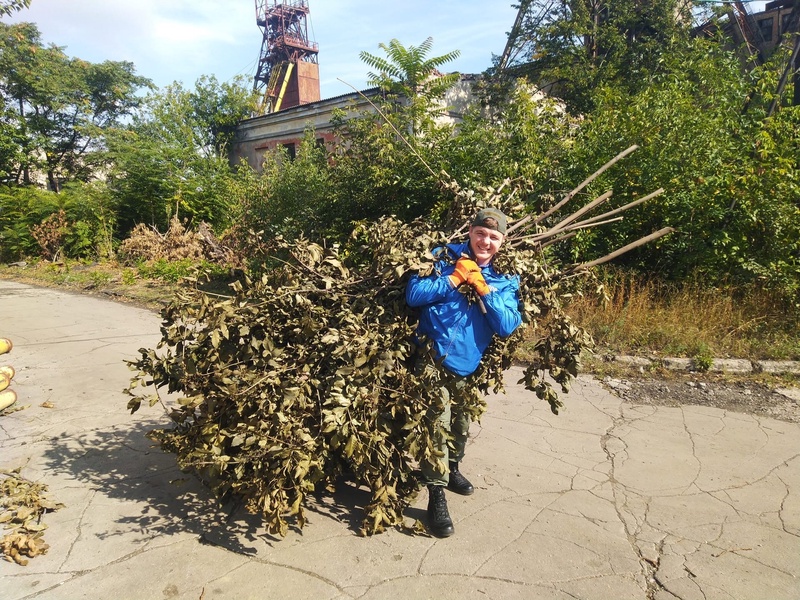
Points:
point(287, 73)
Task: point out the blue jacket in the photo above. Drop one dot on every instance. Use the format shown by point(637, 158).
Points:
point(459, 331)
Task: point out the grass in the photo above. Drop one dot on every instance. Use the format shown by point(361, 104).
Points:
point(647, 317)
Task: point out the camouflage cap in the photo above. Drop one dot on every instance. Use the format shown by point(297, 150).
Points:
point(491, 218)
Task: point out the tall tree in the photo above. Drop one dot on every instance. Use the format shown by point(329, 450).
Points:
point(61, 105)
point(172, 159)
point(410, 75)
point(409, 71)
point(574, 46)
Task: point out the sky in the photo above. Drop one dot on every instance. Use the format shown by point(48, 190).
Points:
point(182, 40)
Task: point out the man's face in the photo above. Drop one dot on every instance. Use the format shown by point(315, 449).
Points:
point(485, 243)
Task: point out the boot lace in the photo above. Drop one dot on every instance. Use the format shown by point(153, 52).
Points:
point(440, 505)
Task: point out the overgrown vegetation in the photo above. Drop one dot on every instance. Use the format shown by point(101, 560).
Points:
point(643, 315)
point(706, 130)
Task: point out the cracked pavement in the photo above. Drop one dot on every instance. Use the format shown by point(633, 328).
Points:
point(607, 501)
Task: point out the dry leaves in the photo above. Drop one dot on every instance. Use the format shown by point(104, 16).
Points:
point(22, 505)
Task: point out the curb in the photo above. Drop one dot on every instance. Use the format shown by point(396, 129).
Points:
point(737, 366)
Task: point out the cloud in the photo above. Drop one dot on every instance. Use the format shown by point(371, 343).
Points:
point(181, 40)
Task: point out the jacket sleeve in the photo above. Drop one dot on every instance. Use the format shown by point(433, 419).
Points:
point(422, 291)
point(502, 308)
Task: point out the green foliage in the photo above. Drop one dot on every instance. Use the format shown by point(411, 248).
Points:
point(373, 174)
point(8, 7)
point(288, 197)
point(413, 90)
point(526, 135)
point(305, 374)
point(377, 169)
point(173, 159)
point(576, 46)
point(56, 107)
point(377, 173)
point(174, 271)
point(86, 232)
point(128, 276)
point(11, 144)
point(700, 120)
point(216, 109)
point(731, 176)
point(703, 358)
point(408, 71)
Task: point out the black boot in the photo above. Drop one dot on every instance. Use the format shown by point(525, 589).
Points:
point(458, 483)
point(439, 522)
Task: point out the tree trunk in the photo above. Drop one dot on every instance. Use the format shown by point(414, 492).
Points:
point(26, 174)
point(52, 180)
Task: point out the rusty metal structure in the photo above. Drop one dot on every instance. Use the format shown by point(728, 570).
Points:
point(752, 39)
point(288, 72)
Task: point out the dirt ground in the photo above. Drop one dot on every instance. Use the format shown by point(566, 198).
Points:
point(776, 400)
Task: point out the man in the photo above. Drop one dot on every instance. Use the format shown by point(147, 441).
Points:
point(461, 330)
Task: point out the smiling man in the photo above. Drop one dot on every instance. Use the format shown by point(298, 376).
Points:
point(460, 330)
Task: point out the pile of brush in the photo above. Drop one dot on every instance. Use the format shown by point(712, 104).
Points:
point(304, 375)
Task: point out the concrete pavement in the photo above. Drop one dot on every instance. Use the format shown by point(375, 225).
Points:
point(608, 501)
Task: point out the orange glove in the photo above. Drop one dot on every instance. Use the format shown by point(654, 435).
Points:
point(477, 281)
point(464, 267)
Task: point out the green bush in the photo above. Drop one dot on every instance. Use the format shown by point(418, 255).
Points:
point(731, 174)
point(88, 213)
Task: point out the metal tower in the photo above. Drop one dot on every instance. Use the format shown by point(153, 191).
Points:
point(287, 72)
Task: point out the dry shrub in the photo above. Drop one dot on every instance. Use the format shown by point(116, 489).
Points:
point(178, 243)
point(50, 234)
point(307, 373)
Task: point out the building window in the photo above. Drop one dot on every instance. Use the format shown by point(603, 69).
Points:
point(290, 151)
point(765, 27)
point(783, 22)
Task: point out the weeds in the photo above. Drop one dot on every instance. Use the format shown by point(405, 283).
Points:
point(129, 276)
point(173, 271)
point(692, 320)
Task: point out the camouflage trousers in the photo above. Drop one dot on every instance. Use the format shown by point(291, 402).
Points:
point(449, 424)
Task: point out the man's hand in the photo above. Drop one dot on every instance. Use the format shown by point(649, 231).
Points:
point(477, 281)
point(464, 268)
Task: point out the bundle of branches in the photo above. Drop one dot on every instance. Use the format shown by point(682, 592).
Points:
point(306, 375)
point(178, 243)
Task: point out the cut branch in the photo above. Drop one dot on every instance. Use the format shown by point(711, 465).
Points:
point(585, 182)
point(578, 214)
point(608, 257)
point(539, 238)
point(616, 211)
